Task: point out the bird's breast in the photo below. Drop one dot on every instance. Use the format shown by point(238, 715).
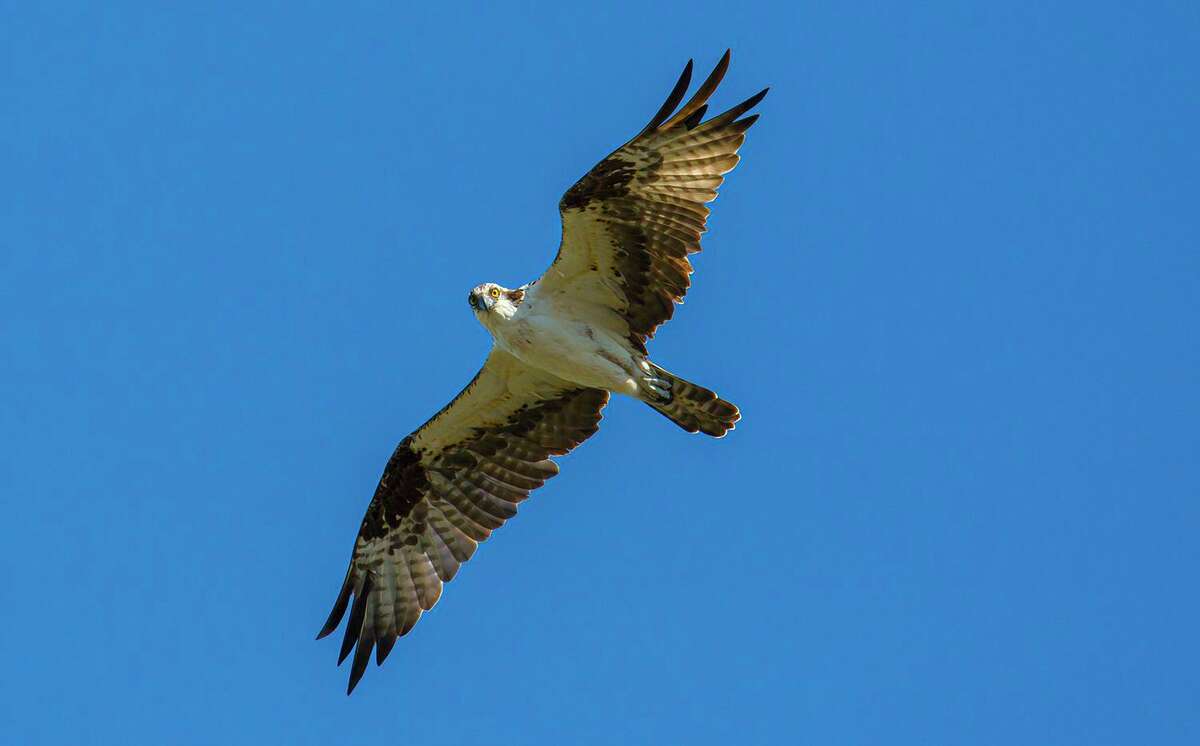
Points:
point(570, 349)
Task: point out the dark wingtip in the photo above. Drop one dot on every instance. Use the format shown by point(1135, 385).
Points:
point(751, 102)
point(355, 623)
point(702, 94)
point(361, 657)
point(673, 98)
point(339, 609)
point(382, 648)
point(727, 117)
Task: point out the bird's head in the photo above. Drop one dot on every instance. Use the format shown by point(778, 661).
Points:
point(490, 301)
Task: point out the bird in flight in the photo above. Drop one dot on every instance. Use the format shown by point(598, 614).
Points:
point(562, 344)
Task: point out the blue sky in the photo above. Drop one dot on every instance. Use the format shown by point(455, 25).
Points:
point(953, 287)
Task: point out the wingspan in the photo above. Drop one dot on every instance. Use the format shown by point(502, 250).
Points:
point(630, 223)
point(446, 488)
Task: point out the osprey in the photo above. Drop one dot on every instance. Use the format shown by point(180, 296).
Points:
point(562, 343)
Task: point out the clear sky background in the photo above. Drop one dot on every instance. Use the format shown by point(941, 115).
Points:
point(953, 287)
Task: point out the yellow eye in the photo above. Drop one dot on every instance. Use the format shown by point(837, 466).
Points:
point(495, 293)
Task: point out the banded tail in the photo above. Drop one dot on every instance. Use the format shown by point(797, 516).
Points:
point(692, 407)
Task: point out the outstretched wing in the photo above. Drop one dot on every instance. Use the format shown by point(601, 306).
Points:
point(631, 222)
point(446, 488)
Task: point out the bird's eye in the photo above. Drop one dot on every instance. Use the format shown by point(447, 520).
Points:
point(494, 292)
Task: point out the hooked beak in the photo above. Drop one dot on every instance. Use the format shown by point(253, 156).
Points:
point(475, 301)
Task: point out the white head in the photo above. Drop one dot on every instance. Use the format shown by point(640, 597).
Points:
point(493, 303)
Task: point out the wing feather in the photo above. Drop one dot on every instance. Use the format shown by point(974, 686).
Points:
point(630, 223)
point(445, 489)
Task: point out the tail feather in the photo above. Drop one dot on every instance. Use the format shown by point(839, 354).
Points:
point(692, 407)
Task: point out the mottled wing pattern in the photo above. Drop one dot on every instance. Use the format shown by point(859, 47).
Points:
point(446, 488)
point(631, 222)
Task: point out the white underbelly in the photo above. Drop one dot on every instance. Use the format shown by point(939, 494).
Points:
point(571, 350)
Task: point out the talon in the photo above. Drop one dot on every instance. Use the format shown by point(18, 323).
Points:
point(659, 387)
